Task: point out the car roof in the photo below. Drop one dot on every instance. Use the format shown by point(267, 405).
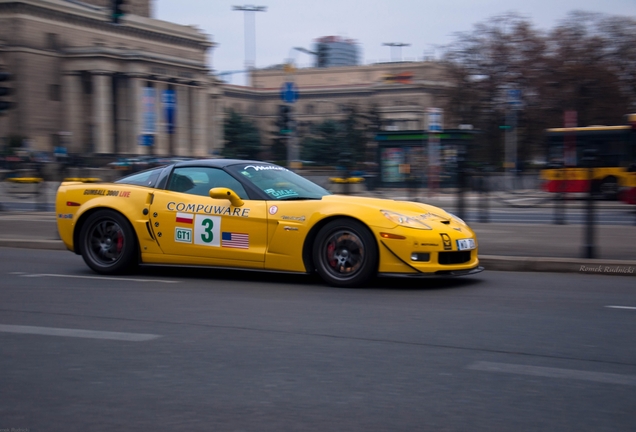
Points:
point(218, 163)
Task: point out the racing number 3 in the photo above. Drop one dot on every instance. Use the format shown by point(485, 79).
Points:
point(208, 234)
point(207, 230)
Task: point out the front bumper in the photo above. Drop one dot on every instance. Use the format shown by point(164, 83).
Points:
point(437, 274)
point(436, 251)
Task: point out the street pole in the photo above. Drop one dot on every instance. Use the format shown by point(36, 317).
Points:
point(511, 147)
point(250, 60)
point(589, 248)
point(461, 180)
point(513, 105)
point(434, 129)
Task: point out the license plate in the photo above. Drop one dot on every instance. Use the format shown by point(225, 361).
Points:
point(465, 244)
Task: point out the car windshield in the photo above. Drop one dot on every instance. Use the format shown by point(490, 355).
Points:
point(277, 182)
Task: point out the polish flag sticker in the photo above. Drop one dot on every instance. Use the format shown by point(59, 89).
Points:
point(185, 218)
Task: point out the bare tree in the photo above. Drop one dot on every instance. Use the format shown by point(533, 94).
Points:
point(587, 63)
point(500, 55)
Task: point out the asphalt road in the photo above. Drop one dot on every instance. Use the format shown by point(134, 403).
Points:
point(189, 349)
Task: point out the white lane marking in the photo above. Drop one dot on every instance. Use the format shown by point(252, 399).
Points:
point(95, 277)
point(622, 307)
point(602, 377)
point(89, 334)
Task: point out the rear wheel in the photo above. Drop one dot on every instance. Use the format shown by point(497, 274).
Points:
point(345, 253)
point(107, 243)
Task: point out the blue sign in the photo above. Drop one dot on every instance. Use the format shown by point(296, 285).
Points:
point(289, 92)
point(60, 151)
point(149, 116)
point(169, 100)
point(146, 140)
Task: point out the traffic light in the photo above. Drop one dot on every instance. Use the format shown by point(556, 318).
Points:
point(284, 119)
point(4, 91)
point(117, 11)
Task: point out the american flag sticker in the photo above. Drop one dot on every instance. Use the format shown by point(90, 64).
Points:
point(185, 218)
point(235, 240)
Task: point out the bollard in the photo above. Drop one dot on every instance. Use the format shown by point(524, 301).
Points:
point(559, 198)
point(42, 197)
point(483, 199)
point(559, 209)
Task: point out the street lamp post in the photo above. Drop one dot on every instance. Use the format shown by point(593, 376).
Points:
point(250, 60)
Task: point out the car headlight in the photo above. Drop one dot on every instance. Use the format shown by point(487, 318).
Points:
point(405, 221)
point(458, 219)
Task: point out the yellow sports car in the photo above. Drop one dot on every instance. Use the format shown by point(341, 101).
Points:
point(256, 215)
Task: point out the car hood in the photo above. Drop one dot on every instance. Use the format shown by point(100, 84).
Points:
point(406, 207)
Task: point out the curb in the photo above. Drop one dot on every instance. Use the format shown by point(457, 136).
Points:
point(489, 262)
point(558, 265)
point(33, 244)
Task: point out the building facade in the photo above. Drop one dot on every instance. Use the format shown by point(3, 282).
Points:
point(336, 51)
point(89, 86)
point(143, 86)
point(401, 93)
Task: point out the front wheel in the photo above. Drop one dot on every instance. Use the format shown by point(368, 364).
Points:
point(345, 253)
point(107, 243)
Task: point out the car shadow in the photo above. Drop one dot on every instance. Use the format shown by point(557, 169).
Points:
point(428, 283)
point(378, 283)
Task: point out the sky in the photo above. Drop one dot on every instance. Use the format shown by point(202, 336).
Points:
point(422, 24)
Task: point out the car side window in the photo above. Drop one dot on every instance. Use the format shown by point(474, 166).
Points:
point(199, 181)
point(145, 178)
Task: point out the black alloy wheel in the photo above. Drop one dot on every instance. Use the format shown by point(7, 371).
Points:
point(107, 243)
point(345, 253)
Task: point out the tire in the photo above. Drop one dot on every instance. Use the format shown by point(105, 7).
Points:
point(108, 244)
point(345, 253)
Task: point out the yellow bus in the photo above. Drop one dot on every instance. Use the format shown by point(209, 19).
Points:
point(614, 172)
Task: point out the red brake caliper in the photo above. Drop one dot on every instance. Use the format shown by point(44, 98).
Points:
point(331, 247)
point(120, 241)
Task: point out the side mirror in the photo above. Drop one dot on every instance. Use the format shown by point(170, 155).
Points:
point(228, 194)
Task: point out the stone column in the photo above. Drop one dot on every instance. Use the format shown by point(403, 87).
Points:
point(161, 138)
point(216, 120)
point(123, 114)
point(136, 83)
point(198, 117)
point(182, 137)
point(102, 113)
point(72, 103)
